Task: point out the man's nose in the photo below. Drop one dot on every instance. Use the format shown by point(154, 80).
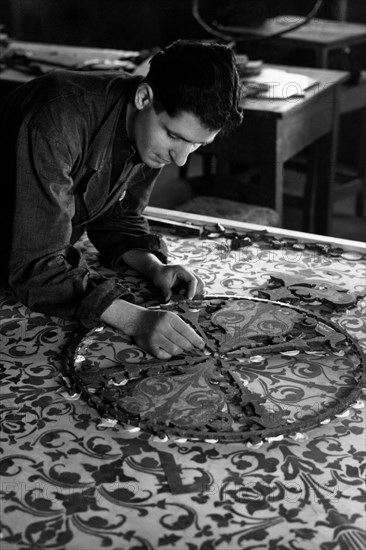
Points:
point(182, 152)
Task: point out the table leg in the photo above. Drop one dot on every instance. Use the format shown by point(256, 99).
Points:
point(326, 180)
point(312, 159)
point(321, 55)
point(272, 168)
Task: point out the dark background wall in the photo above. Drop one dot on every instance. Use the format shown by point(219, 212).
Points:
point(138, 24)
point(126, 24)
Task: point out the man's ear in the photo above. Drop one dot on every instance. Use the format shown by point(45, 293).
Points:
point(144, 96)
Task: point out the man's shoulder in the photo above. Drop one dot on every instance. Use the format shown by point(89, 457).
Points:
point(65, 93)
point(88, 82)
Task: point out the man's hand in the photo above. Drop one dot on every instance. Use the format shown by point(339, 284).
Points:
point(169, 278)
point(161, 333)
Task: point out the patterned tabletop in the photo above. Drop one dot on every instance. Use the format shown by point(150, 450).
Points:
point(72, 480)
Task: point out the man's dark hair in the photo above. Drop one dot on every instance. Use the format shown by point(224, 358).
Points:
point(198, 77)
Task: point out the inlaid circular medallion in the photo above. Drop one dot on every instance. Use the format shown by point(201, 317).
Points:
point(269, 369)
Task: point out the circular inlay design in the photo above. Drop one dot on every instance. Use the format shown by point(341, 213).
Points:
point(269, 369)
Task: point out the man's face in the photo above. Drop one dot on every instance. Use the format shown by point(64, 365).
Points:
point(161, 139)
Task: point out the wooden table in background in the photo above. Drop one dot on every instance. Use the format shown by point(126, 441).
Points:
point(323, 36)
point(62, 56)
point(320, 35)
point(274, 130)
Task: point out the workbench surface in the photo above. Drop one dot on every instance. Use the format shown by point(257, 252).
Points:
point(68, 483)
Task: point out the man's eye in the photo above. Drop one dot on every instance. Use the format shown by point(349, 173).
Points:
point(172, 136)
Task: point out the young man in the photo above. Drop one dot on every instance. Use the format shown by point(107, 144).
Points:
point(82, 151)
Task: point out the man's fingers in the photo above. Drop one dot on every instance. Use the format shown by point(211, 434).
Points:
point(165, 348)
point(190, 284)
point(186, 332)
point(180, 280)
point(165, 334)
point(200, 286)
point(159, 352)
point(166, 297)
point(192, 287)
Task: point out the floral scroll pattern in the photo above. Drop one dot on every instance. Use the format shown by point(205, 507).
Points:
point(70, 482)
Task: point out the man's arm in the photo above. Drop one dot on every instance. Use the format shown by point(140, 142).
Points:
point(162, 333)
point(123, 226)
point(46, 272)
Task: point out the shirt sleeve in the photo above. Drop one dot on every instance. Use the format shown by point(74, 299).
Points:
point(123, 227)
point(47, 273)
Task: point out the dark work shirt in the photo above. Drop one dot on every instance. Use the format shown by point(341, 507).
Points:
point(67, 165)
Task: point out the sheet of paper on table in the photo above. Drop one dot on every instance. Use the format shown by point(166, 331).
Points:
point(277, 84)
